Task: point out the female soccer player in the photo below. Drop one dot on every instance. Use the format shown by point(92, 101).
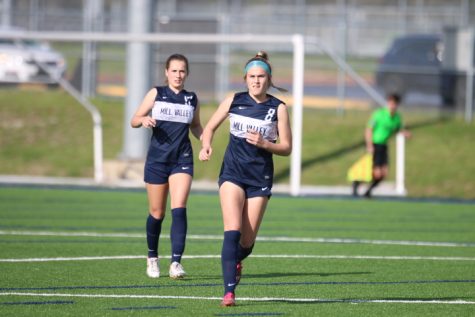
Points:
point(257, 120)
point(170, 111)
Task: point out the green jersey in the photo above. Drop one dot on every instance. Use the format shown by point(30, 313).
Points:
point(384, 125)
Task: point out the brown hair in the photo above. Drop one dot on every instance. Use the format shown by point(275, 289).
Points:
point(264, 57)
point(394, 97)
point(176, 57)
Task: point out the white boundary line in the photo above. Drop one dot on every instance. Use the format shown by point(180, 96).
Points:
point(280, 256)
point(253, 299)
point(219, 238)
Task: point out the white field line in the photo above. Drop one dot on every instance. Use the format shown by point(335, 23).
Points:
point(253, 299)
point(219, 238)
point(279, 256)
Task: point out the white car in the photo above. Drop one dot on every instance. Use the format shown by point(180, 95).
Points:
point(26, 61)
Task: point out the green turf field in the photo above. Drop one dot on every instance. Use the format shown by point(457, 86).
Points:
point(81, 252)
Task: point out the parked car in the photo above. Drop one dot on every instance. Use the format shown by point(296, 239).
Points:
point(411, 64)
point(20, 61)
point(414, 63)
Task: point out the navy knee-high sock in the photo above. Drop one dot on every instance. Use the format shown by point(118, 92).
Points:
point(153, 227)
point(243, 252)
point(229, 259)
point(178, 233)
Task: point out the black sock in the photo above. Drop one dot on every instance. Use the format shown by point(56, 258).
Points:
point(243, 252)
point(229, 259)
point(374, 183)
point(356, 184)
point(178, 233)
point(153, 227)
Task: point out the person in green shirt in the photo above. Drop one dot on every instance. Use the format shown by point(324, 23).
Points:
point(384, 123)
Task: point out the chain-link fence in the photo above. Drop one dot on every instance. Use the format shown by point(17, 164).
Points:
point(361, 32)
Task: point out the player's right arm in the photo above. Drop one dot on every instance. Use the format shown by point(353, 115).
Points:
point(142, 116)
point(368, 134)
point(369, 139)
point(214, 122)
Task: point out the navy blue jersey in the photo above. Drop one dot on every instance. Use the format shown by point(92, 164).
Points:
point(243, 161)
point(170, 142)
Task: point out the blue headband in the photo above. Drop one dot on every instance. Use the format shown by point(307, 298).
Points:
point(260, 64)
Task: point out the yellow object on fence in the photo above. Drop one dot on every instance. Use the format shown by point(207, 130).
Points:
point(362, 169)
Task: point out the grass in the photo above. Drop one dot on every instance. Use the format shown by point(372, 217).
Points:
point(374, 275)
point(49, 133)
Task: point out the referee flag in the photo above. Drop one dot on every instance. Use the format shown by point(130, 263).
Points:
point(362, 169)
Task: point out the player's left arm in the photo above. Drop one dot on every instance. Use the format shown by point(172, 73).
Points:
point(404, 131)
point(284, 145)
point(195, 127)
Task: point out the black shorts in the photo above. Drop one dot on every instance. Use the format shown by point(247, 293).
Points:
point(158, 173)
point(380, 155)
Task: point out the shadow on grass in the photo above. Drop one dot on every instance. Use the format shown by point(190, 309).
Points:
point(320, 159)
point(291, 274)
point(352, 147)
point(425, 123)
point(274, 275)
point(373, 300)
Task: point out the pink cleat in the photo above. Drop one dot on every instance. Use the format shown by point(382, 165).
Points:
point(228, 300)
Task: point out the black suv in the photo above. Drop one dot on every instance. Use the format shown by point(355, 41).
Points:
point(413, 63)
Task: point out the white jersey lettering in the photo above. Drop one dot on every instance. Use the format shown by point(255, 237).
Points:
point(239, 125)
point(166, 111)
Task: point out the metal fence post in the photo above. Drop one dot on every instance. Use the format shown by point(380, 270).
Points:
point(138, 78)
point(469, 81)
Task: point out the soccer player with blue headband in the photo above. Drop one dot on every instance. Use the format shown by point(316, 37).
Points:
point(259, 128)
point(260, 60)
point(258, 63)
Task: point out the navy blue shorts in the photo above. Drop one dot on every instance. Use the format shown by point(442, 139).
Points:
point(249, 190)
point(158, 173)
